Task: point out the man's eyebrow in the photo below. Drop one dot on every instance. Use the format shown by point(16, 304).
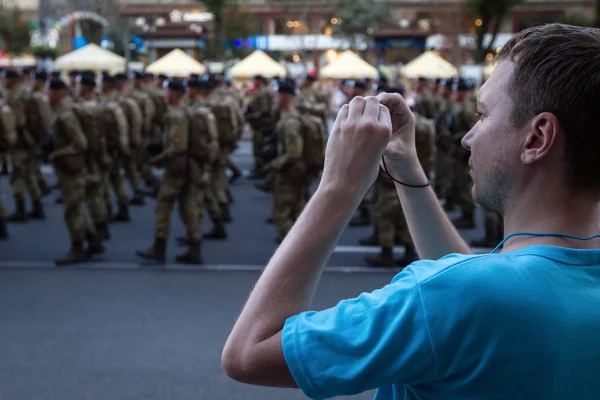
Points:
point(481, 105)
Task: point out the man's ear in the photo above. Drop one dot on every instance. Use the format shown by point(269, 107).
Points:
point(542, 137)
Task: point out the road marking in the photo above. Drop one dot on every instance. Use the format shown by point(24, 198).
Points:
point(175, 267)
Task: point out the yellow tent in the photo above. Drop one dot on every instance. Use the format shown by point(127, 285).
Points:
point(21, 60)
point(176, 63)
point(348, 66)
point(257, 63)
point(91, 57)
point(429, 65)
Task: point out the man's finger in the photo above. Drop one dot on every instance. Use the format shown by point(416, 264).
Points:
point(371, 108)
point(341, 117)
point(385, 116)
point(357, 107)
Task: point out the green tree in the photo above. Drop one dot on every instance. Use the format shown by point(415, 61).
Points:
point(491, 14)
point(14, 32)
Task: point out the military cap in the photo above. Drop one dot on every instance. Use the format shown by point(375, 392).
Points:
point(108, 79)
point(57, 84)
point(55, 74)
point(162, 77)
point(422, 79)
point(138, 75)
point(176, 85)
point(88, 73)
point(360, 84)
point(260, 78)
point(460, 85)
point(397, 89)
point(194, 76)
point(287, 86)
point(228, 81)
point(197, 84)
point(149, 75)
point(73, 73)
point(120, 77)
point(87, 81)
point(40, 75)
point(10, 73)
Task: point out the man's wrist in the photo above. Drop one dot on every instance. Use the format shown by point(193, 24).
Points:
point(408, 170)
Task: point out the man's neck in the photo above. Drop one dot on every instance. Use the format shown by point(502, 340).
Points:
point(88, 96)
point(287, 108)
point(540, 209)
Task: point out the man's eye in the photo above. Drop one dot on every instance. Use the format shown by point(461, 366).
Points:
point(479, 116)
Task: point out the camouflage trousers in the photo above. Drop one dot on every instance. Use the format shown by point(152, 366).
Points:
point(24, 179)
point(460, 187)
point(118, 183)
point(131, 171)
point(257, 147)
point(208, 198)
point(389, 219)
point(73, 191)
point(443, 172)
point(219, 177)
point(288, 202)
point(143, 166)
point(94, 198)
point(174, 189)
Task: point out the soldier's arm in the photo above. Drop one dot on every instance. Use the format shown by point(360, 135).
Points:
point(176, 139)
point(123, 132)
point(234, 118)
point(149, 106)
point(9, 138)
point(137, 121)
point(294, 145)
point(78, 142)
point(213, 136)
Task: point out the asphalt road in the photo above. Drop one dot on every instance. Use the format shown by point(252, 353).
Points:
point(120, 329)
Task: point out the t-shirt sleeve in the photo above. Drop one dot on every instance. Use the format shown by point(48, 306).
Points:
point(377, 339)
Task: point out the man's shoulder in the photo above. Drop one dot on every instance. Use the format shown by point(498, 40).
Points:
point(455, 266)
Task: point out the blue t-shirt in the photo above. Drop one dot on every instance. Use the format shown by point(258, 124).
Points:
point(518, 325)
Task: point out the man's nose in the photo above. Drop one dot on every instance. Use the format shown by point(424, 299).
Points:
point(467, 140)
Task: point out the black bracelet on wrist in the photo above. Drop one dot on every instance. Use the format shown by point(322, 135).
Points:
point(402, 183)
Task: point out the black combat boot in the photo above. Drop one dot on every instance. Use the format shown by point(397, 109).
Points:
point(410, 256)
point(383, 259)
point(157, 252)
point(95, 245)
point(3, 230)
point(37, 211)
point(467, 221)
point(75, 256)
point(237, 174)
point(361, 219)
point(59, 200)
point(192, 255)
point(270, 221)
point(4, 171)
point(225, 214)
point(44, 188)
point(264, 187)
point(103, 232)
point(218, 232)
point(123, 214)
point(137, 199)
point(19, 215)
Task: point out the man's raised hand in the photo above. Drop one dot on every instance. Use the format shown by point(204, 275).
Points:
point(357, 141)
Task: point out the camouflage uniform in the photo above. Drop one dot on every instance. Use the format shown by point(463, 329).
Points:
point(389, 219)
point(24, 162)
point(148, 112)
point(462, 120)
point(443, 166)
point(68, 158)
point(289, 191)
point(8, 138)
point(39, 118)
point(179, 184)
point(135, 120)
point(259, 118)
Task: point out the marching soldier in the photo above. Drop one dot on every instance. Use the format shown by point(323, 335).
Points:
point(259, 116)
point(148, 108)
point(68, 159)
point(135, 123)
point(462, 119)
point(8, 138)
point(24, 162)
point(290, 178)
point(179, 183)
point(443, 167)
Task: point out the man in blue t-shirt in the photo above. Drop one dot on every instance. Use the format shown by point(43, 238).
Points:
point(520, 323)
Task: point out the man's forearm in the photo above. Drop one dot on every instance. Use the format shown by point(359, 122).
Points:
point(288, 284)
point(432, 231)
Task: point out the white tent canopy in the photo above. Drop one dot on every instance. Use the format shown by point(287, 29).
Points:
point(176, 63)
point(349, 66)
point(429, 65)
point(257, 63)
point(91, 57)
